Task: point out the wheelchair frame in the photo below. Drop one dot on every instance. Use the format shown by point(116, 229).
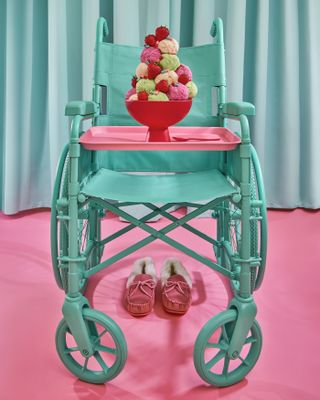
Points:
point(73, 265)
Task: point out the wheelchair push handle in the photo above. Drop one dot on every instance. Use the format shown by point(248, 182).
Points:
point(102, 29)
point(216, 30)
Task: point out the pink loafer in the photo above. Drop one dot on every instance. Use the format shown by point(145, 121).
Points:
point(176, 287)
point(140, 288)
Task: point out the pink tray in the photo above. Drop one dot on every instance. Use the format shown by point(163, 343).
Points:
point(182, 138)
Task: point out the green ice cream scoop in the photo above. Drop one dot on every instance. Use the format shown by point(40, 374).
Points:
point(158, 96)
point(193, 90)
point(169, 61)
point(145, 85)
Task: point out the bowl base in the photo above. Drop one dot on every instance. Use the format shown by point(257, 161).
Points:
point(158, 135)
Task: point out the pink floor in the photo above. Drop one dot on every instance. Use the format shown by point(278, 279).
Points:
point(160, 364)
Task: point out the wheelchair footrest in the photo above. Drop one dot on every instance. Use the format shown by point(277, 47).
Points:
point(164, 188)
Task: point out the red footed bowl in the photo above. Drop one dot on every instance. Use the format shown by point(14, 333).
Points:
point(158, 116)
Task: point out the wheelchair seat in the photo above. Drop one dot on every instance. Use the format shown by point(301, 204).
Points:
point(177, 188)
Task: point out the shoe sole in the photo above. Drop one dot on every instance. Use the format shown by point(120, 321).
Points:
point(168, 310)
point(138, 315)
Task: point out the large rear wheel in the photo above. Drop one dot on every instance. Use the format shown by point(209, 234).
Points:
point(229, 228)
point(88, 223)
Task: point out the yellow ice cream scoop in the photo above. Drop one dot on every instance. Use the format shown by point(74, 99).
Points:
point(168, 46)
point(170, 76)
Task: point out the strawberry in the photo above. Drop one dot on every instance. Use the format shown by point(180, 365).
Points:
point(153, 71)
point(142, 95)
point(134, 81)
point(183, 78)
point(162, 32)
point(163, 86)
point(150, 40)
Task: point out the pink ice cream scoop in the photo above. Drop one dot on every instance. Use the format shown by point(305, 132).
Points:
point(178, 92)
point(184, 69)
point(130, 92)
point(150, 55)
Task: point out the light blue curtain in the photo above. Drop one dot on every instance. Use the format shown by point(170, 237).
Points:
point(272, 60)
point(23, 106)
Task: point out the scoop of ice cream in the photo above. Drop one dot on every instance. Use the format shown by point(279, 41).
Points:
point(142, 70)
point(157, 96)
point(145, 85)
point(150, 55)
point(168, 46)
point(178, 92)
point(133, 97)
point(184, 69)
point(169, 61)
point(170, 76)
point(192, 88)
point(130, 92)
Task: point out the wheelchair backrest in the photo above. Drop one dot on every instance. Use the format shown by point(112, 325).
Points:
point(114, 67)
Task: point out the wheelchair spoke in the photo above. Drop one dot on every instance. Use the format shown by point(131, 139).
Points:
point(250, 339)
point(233, 238)
point(210, 345)
point(101, 362)
point(100, 336)
point(219, 356)
point(65, 223)
point(85, 364)
point(243, 361)
point(224, 334)
point(71, 350)
point(83, 235)
point(221, 345)
point(226, 365)
point(234, 228)
point(106, 349)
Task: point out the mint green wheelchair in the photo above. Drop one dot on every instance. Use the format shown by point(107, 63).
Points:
point(94, 176)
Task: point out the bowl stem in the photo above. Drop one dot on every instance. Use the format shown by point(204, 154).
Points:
point(158, 135)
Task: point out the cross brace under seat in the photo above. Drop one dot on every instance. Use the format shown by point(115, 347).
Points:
point(158, 234)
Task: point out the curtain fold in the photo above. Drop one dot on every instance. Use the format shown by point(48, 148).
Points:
point(272, 60)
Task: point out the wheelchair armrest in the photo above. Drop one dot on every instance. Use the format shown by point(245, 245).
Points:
point(238, 108)
point(81, 108)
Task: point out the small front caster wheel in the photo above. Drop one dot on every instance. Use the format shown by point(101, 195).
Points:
point(110, 348)
point(211, 351)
